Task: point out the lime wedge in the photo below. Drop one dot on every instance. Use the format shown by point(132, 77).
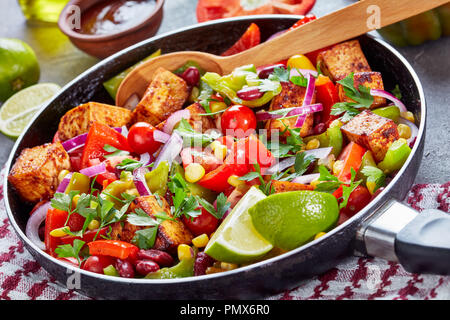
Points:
point(17, 111)
point(236, 240)
point(290, 219)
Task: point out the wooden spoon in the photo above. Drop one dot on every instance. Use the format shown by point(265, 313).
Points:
point(347, 23)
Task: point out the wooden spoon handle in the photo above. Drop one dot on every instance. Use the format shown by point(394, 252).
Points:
point(347, 23)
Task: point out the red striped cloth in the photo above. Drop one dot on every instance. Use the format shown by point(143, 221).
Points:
point(21, 277)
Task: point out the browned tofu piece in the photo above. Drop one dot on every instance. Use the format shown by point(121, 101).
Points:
point(170, 233)
point(166, 94)
point(78, 120)
point(343, 59)
point(34, 175)
point(290, 96)
point(199, 123)
point(285, 186)
point(372, 132)
point(371, 80)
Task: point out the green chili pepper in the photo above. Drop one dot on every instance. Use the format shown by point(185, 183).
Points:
point(79, 182)
point(112, 85)
point(395, 157)
point(430, 25)
point(390, 112)
point(184, 268)
point(157, 178)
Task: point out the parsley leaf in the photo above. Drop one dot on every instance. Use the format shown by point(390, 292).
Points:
point(194, 138)
point(265, 187)
point(375, 175)
point(141, 218)
point(280, 74)
point(129, 164)
point(222, 206)
point(69, 251)
point(183, 203)
point(347, 190)
point(397, 93)
point(348, 109)
point(114, 151)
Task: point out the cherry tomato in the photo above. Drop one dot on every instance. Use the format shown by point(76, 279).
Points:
point(97, 263)
point(358, 199)
point(238, 121)
point(141, 140)
point(204, 223)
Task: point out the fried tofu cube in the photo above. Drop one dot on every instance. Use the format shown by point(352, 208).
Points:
point(371, 80)
point(290, 96)
point(285, 186)
point(372, 132)
point(78, 120)
point(198, 123)
point(170, 233)
point(166, 94)
point(34, 175)
point(343, 59)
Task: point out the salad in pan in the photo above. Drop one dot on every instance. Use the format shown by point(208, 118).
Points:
point(207, 173)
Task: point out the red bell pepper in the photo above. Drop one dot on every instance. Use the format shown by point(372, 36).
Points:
point(87, 237)
point(113, 248)
point(256, 152)
point(327, 95)
point(98, 136)
point(250, 38)
point(352, 156)
point(302, 21)
point(55, 219)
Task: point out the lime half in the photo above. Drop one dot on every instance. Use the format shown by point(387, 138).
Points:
point(17, 111)
point(236, 240)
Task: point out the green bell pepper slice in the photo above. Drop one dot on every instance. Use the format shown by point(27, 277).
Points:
point(79, 182)
point(115, 189)
point(112, 85)
point(183, 269)
point(194, 188)
point(157, 178)
point(366, 161)
point(331, 138)
point(395, 157)
point(390, 112)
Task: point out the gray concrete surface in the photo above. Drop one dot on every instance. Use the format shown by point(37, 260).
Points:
point(60, 62)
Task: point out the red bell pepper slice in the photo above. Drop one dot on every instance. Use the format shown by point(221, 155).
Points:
point(250, 38)
point(98, 136)
point(256, 152)
point(302, 21)
point(352, 156)
point(55, 219)
point(327, 95)
point(87, 237)
point(113, 248)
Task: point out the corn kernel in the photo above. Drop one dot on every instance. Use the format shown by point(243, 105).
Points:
point(75, 200)
point(371, 185)
point(220, 151)
point(328, 161)
point(336, 123)
point(314, 183)
point(313, 144)
point(62, 174)
point(234, 181)
point(337, 166)
point(216, 264)
point(60, 232)
point(194, 172)
point(200, 241)
point(94, 224)
point(320, 234)
point(404, 131)
point(217, 106)
point(185, 252)
point(408, 115)
point(211, 270)
point(228, 266)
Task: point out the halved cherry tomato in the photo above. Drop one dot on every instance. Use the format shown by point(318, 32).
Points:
point(87, 237)
point(114, 248)
point(98, 136)
point(238, 121)
point(352, 157)
point(251, 38)
point(227, 141)
point(302, 21)
point(256, 152)
point(97, 263)
point(69, 260)
point(204, 223)
point(357, 200)
point(141, 139)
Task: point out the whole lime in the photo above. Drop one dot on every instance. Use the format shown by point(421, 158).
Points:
point(19, 67)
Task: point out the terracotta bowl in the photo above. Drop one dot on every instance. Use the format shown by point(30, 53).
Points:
point(102, 46)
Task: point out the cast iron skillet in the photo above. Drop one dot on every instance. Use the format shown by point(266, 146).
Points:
point(257, 280)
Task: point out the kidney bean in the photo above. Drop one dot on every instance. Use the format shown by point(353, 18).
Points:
point(317, 118)
point(265, 71)
point(249, 94)
point(144, 267)
point(202, 262)
point(125, 268)
point(320, 128)
point(163, 259)
point(191, 75)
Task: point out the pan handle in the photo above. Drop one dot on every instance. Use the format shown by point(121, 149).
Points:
point(420, 242)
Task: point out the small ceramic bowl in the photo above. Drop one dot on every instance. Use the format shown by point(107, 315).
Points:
point(102, 46)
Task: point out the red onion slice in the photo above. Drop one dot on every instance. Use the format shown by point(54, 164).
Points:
point(170, 150)
point(94, 170)
point(389, 96)
point(175, 117)
point(131, 102)
point(277, 34)
point(161, 136)
point(124, 131)
point(140, 182)
point(302, 72)
point(414, 131)
point(74, 143)
point(299, 111)
point(145, 159)
point(33, 224)
point(64, 183)
point(307, 178)
point(308, 98)
point(319, 153)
